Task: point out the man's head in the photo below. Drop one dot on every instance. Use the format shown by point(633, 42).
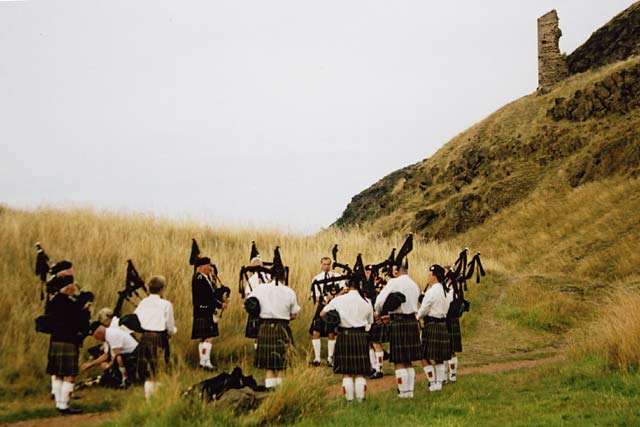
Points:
point(105, 315)
point(156, 285)
point(203, 265)
point(368, 271)
point(436, 274)
point(325, 264)
point(256, 261)
point(98, 330)
point(395, 271)
point(71, 289)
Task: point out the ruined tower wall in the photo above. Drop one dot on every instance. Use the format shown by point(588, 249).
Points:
point(552, 66)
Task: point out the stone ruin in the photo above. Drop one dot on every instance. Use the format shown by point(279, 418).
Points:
point(552, 65)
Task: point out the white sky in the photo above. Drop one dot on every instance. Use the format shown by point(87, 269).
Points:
point(266, 113)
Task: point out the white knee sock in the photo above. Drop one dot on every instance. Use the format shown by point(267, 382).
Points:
point(411, 377)
point(65, 394)
point(402, 378)
point(453, 369)
point(348, 388)
point(149, 388)
point(380, 357)
point(56, 389)
point(440, 375)
point(205, 354)
point(316, 349)
point(200, 351)
point(331, 348)
point(270, 382)
point(361, 388)
point(430, 373)
point(373, 360)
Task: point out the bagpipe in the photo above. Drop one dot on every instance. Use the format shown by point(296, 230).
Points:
point(222, 292)
point(457, 276)
point(264, 271)
point(53, 279)
point(133, 283)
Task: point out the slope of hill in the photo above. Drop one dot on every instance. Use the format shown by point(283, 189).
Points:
point(577, 144)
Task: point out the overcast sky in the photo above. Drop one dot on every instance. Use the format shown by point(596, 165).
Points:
point(267, 113)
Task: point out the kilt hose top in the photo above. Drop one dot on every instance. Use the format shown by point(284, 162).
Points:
point(352, 352)
point(148, 361)
point(274, 337)
point(436, 342)
point(63, 359)
point(404, 338)
point(453, 325)
point(204, 327)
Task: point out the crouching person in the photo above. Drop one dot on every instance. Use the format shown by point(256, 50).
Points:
point(352, 346)
point(156, 319)
point(122, 353)
point(278, 305)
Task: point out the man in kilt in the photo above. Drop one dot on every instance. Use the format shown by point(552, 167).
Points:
point(278, 305)
point(156, 319)
point(453, 326)
point(351, 357)
point(378, 333)
point(205, 303)
point(318, 328)
point(69, 321)
point(404, 330)
point(436, 343)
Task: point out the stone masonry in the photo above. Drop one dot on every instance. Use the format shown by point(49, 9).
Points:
point(552, 66)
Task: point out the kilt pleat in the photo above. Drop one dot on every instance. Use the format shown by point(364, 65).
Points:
point(352, 352)
point(436, 343)
point(63, 359)
point(379, 333)
point(204, 327)
point(148, 360)
point(404, 339)
point(273, 343)
point(453, 326)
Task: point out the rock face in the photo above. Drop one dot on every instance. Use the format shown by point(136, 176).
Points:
point(616, 41)
point(552, 66)
point(618, 93)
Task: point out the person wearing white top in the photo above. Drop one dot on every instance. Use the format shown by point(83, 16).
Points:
point(404, 330)
point(352, 347)
point(122, 349)
point(436, 342)
point(258, 278)
point(278, 305)
point(454, 291)
point(324, 293)
point(156, 319)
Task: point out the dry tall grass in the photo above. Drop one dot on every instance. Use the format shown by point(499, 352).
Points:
point(100, 244)
point(615, 332)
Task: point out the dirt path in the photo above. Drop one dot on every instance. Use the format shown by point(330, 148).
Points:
point(389, 381)
point(66, 421)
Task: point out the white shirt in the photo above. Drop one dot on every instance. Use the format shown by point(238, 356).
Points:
point(276, 301)
point(115, 338)
point(156, 314)
point(405, 285)
point(354, 311)
point(115, 323)
point(321, 276)
point(253, 282)
point(435, 303)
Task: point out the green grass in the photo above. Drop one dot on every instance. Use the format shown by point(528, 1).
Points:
point(41, 409)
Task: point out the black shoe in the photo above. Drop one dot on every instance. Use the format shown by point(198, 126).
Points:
point(70, 411)
point(210, 368)
point(315, 363)
point(385, 355)
point(376, 375)
point(330, 362)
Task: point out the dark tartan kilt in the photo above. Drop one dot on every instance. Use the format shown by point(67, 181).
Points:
point(204, 327)
point(379, 333)
point(453, 326)
point(63, 359)
point(253, 327)
point(436, 343)
point(274, 337)
point(318, 324)
point(404, 339)
point(148, 360)
point(352, 352)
